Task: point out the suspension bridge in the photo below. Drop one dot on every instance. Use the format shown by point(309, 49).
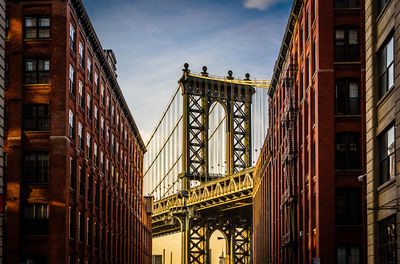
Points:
point(200, 162)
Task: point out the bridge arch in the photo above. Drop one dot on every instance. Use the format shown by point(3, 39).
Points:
point(219, 244)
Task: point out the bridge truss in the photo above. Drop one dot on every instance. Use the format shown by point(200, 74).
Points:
point(199, 163)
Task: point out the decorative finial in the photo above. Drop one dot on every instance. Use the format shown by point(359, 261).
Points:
point(186, 67)
point(230, 77)
point(204, 73)
point(247, 77)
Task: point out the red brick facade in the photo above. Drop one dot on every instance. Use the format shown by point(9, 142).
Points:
point(75, 156)
point(309, 205)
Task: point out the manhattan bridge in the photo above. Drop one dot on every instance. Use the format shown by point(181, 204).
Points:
point(200, 163)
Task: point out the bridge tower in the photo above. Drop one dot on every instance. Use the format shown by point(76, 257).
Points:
point(199, 93)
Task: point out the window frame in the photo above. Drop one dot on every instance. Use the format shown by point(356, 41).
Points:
point(352, 215)
point(346, 4)
point(72, 37)
point(36, 117)
point(347, 54)
point(386, 71)
point(37, 74)
point(81, 95)
point(348, 145)
point(38, 28)
point(390, 173)
point(40, 173)
point(40, 223)
point(347, 100)
point(384, 236)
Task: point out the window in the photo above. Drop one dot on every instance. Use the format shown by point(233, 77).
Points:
point(387, 240)
point(108, 105)
point(36, 117)
point(37, 71)
point(313, 10)
point(71, 80)
point(81, 140)
point(387, 155)
point(381, 5)
point(347, 99)
point(35, 219)
point(348, 255)
point(72, 37)
point(347, 3)
point(7, 27)
point(89, 107)
point(96, 158)
point(102, 161)
point(386, 68)
point(72, 173)
point(314, 54)
point(301, 39)
point(102, 95)
point(89, 70)
point(81, 181)
point(81, 51)
point(108, 137)
point(88, 146)
point(80, 96)
point(102, 127)
point(90, 188)
point(81, 227)
point(112, 115)
point(117, 151)
point(346, 44)
point(96, 117)
point(307, 77)
point(37, 27)
point(72, 221)
point(307, 24)
point(36, 167)
point(6, 70)
point(71, 125)
point(96, 83)
point(348, 206)
point(347, 154)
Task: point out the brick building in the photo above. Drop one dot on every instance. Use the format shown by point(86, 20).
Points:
point(382, 31)
point(314, 210)
point(74, 172)
point(2, 81)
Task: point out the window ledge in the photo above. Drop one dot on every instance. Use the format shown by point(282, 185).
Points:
point(347, 170)
point(346, 62)
point(347, 9)
point(36, 131)
point(36, 39)
point(36, 84)
point(385, 96)
point(35, 183)
point(383, 11)
point(344, 115)
point(386, 185)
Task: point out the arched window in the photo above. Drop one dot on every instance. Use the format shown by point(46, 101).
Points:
point(347, 97)
point(347, 153)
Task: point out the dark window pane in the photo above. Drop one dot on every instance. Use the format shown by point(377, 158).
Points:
point(387, 240)
point(347, 153)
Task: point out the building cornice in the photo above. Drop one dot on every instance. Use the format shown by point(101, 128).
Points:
point(287, 39)
point(94, 41)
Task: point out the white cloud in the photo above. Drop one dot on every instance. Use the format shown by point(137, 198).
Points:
point(259, 4)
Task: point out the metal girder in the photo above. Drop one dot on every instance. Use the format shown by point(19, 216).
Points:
point(198, 96)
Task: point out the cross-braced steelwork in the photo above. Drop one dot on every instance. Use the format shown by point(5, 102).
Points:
point(199, 166)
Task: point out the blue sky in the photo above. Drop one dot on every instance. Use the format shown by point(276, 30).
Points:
point(152, 39)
